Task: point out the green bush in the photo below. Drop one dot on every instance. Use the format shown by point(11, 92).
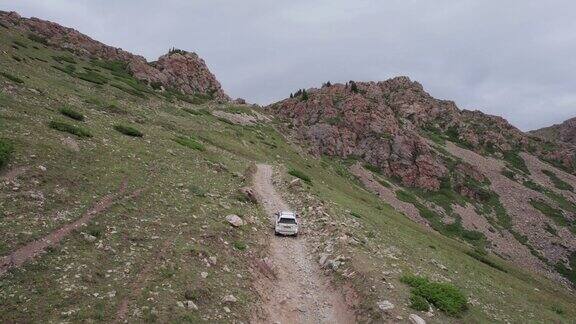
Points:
point(91, 76)
point(6, 150)
point(69, 112)
point(444, 296)
point(38, 39)
point(128, 130)
point(64, 58)
point(419, 303)
point(190, 142)
point(19, 43)
point(199, 192)
point(355, 214)
point(301, 175)
point(240, 245)
point(558, 183)
point(68, 128)
point(482, 258)
point(516, 162)
point(11, 77)
point(68, 69)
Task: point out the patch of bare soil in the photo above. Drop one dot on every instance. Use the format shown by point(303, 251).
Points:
point(14, 173)
point(300, 293)
point(31, 250)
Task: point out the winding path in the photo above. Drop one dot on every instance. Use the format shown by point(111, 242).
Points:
point(300, 293)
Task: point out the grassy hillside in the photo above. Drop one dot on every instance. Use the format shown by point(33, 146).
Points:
point(74, 129)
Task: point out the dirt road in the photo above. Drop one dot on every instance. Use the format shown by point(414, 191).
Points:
point(300, 293)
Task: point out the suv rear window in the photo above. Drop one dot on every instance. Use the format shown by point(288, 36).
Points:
point(287, 221)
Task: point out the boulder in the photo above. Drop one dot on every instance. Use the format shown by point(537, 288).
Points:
point(385, 305)
point(415, 319)
point(234, 220)
point(229, 299)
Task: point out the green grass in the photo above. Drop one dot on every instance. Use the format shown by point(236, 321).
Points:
point(446, 297)
point(555, 214)
point(11, 77)
point(515, 161)
point(37, 38)
point(558, 183)
point(128, 130)
point(301, 175)
point(190, 142)
point(419, 303)
point(6, 150)
point(69, 128)
point(241, 246)
point(71, 113)
point(64, 58)
point(92, 76)
point(480, 256)
point(569, 273)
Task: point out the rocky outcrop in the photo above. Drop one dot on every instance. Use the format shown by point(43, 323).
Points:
point(337, 121)
point(389, 125)
point(178, 70)
point(565, 132)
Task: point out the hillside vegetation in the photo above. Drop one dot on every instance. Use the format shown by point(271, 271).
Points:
point(159, 171)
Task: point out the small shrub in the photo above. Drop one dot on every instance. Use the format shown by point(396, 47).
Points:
point(516, 161)
point(241, 246)
point(444, 296)
point(11, 77)
point(355, 214)
point(480, 257)
point(68, 128)
point(301, 175)
point(199, 192)
point(6, 150)
point(69, 112)
point(37, 39)
point(555, 214)
point(372, 168)
point(64, 58)
point(558, 183)
point(419, 303)
point(128, 130)
point(92, 76)
point(190, 142)
point(558, 309)
point(19, 43)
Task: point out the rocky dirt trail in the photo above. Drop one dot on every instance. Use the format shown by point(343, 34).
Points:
point(31, 250)
point(300, 293)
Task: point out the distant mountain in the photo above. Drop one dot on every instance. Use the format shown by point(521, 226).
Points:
point(565, 132)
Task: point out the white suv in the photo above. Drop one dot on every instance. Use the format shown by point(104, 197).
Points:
point(286, 223)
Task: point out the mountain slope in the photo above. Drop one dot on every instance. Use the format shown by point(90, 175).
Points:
point(468, 175)
point(152, 174)
point(179, 70)
point(564, 132)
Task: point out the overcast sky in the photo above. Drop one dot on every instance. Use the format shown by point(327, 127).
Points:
point(511, 58)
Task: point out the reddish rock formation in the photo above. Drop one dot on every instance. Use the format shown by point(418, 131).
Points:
point(179, 70)
point(385, 124)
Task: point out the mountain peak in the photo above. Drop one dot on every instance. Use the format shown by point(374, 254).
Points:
point(179, 70)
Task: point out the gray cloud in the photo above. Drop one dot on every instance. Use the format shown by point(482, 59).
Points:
point(510, 58)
